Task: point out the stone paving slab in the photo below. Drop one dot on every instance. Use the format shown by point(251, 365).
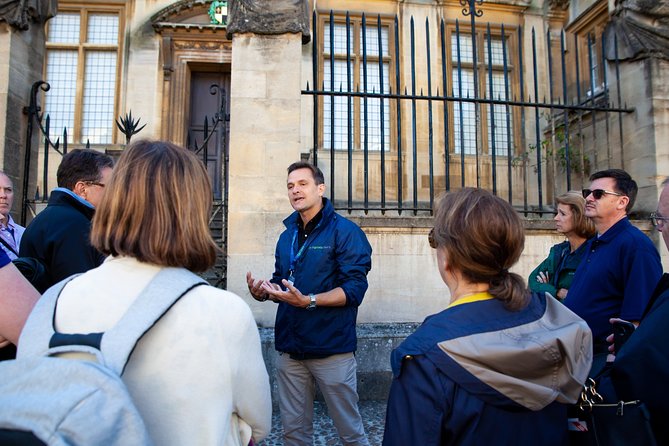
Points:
point(373, 416)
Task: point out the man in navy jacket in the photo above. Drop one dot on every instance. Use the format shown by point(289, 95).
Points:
point(59, 235)
point(319, 280)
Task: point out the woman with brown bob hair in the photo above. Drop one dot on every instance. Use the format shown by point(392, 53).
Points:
point(197, 376)
point(555, 274)
point(495, 366)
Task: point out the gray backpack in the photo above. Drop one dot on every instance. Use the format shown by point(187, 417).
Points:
point(45, 399)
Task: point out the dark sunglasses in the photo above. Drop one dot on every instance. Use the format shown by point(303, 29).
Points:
point(599, 193)
point(430, 239)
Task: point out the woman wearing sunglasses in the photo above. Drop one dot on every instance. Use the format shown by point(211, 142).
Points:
point(555, 274)
point(496, 365)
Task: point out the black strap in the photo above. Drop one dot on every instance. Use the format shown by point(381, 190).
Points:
point(4, 242)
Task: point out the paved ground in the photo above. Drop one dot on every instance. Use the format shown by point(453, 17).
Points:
point(373, 415)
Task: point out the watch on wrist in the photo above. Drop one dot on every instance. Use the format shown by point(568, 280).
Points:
point(312, 302)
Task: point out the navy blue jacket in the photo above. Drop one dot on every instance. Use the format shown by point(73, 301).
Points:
point(479, 374)
point(336, 254)
point(60, 238)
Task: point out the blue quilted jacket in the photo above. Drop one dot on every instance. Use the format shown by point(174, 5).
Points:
point(337, 254)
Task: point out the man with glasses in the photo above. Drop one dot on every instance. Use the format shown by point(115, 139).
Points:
point(59, 236)
point(621, 265)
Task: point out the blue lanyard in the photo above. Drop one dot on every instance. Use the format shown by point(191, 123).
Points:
point(293, 256)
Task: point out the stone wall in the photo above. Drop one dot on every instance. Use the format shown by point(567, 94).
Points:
point(21, 57)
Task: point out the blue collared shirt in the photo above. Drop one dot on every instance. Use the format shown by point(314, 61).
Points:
point(69, 192)
point(616, 278)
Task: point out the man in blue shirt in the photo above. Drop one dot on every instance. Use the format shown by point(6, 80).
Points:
point(621, 266)
point(319, 281)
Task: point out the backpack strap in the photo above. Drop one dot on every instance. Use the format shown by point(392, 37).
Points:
point(114, 347)
point(169, 285)
point(39, 327)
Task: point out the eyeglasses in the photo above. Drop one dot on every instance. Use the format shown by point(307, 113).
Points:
point(657, 220)
point(599, 193)
point(95, 183)
point(431, 240)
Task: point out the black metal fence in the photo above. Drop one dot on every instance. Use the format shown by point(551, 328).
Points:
point(401, 115)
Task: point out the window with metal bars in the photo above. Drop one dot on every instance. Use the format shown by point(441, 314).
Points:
point(360, 62)
point(82, 69)
point(494, 77)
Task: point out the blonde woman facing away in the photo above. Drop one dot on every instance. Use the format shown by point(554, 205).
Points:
point(197, 376)
point(555, 274)
point(495, 366)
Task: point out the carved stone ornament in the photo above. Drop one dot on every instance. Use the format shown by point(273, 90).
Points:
point(19, 13)
point(561, 5)
point(641, 29)
point(268, 17)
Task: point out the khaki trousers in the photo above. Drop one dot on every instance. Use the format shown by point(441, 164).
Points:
point(336, 378)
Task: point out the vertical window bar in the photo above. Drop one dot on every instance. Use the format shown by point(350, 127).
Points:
point(593, 113)
point(460, 104)
point(332, 107)
point(447, 151)
point(398, 104)
point(45, 172)
point(349, 108)
point(314, 69)
point(565, 93)
point(537, 128)
point(578, 70)
point(605, 92)
point(579, 113)
point(551, 120)
point(414, 148)
point(491, 109)
point(382, 104)
point(477, 105)
point(523, 136)
point(620, 114)
point(365, 120)
point(509, 148)
point(430, 149)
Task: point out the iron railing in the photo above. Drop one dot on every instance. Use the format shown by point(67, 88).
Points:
point(474, 121)
point(218, 222)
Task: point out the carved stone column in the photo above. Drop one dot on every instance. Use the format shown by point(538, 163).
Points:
point(265, 102)
point(22, 49)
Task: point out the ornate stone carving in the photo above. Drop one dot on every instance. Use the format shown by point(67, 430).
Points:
point(198, 45)
point(641, 28)
point(19, 13)
point(268, 17)
point(562, 5)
